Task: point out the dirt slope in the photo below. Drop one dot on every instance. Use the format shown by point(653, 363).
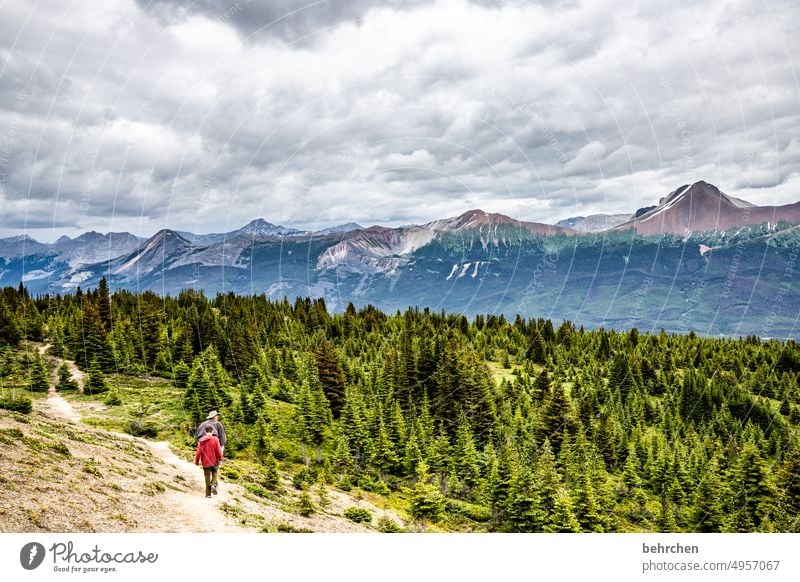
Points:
point(64, 476)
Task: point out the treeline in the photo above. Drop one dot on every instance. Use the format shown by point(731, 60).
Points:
point(492, 424)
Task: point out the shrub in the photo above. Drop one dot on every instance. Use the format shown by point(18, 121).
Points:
point(61, 449)
point(92, 468)
point(141, 428)
point(471, 511)
point(22, 405)
point(302, 479)
point(358, 515)
point(387, 525)
point(153, 488)
point(229, 473)
point(289, 528)
point(257, 490)
point(305, 506)
point(373, 485)
point(113, 399)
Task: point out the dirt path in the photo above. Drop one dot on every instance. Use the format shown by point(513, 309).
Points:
point(191, 512)
point(184, 508)
point(195, 507)
point(77, 374)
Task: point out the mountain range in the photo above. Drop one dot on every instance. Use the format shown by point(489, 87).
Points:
point(698, 260)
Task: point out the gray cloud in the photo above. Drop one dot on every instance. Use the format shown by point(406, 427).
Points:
point(203, 115)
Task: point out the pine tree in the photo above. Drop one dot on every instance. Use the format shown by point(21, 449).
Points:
point(631, 474)
point(104, 304)
point(181, 374)
point(330, 376)
point(39, 381)
point(622, 376)
point(548, 480)
point(557, 416)
point(585, 503)
point(753, 489)
point(96, 382)
point(65, 379)
point(93, 341)
point(706, 514)
point(383, 458)
point(541, 388)
point(270, 478)
point(788, 481)
point(467, 465)
point(427, 503)
point(563, 519)
point(9, 328)
point(524, 511)
point(536, 351)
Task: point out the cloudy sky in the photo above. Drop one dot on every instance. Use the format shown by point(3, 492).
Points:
point(202, 115)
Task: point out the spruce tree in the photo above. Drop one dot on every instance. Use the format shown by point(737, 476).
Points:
point(330, 375)
point(753, 489)
point(585, 503)
point(427, 503)
point(706, 513)
point(181, 374)
point(557, 416)
point(541, 388)
point(536, 351)
point(39, 377)
point(270, 478)
point(9, 328)
point(563, 520)
point(96, 382)
point(65, 379)
point(523, 510)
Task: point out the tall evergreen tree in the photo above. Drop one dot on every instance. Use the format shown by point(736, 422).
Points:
point(39, 376)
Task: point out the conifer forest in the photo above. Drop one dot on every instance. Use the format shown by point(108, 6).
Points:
point(467, 424)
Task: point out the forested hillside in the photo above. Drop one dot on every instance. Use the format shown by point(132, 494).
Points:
point(466, 425)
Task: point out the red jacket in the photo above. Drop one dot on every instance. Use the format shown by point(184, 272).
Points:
point(209, 451)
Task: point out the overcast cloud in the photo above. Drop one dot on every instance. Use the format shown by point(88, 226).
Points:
point(126, 115)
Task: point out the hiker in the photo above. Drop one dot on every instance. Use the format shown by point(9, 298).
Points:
point(209, 453)
point(212, 420)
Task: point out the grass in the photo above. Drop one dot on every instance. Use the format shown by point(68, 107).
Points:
point(153, 488)
point(499, 373)
point(91, 467)
point(155, 402)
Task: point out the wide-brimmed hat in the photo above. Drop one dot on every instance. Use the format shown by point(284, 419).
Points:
point(212, 414)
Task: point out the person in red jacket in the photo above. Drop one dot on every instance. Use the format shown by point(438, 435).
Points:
point(209, 453)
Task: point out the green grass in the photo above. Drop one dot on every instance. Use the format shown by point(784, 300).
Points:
point(499, 373)
point(153, 400)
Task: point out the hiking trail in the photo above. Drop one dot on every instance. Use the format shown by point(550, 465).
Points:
point(187, 511)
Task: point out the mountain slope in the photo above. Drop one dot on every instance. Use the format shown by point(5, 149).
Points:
point(69, 477)
point(255, 228)
point(594, 222)
point(702, 207)
point(158, 252)
point(93, 247)
point(382, 250)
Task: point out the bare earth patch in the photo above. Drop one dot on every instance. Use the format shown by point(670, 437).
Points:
point(60, 475)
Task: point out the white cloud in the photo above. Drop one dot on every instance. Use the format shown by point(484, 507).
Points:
point(194, 115)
